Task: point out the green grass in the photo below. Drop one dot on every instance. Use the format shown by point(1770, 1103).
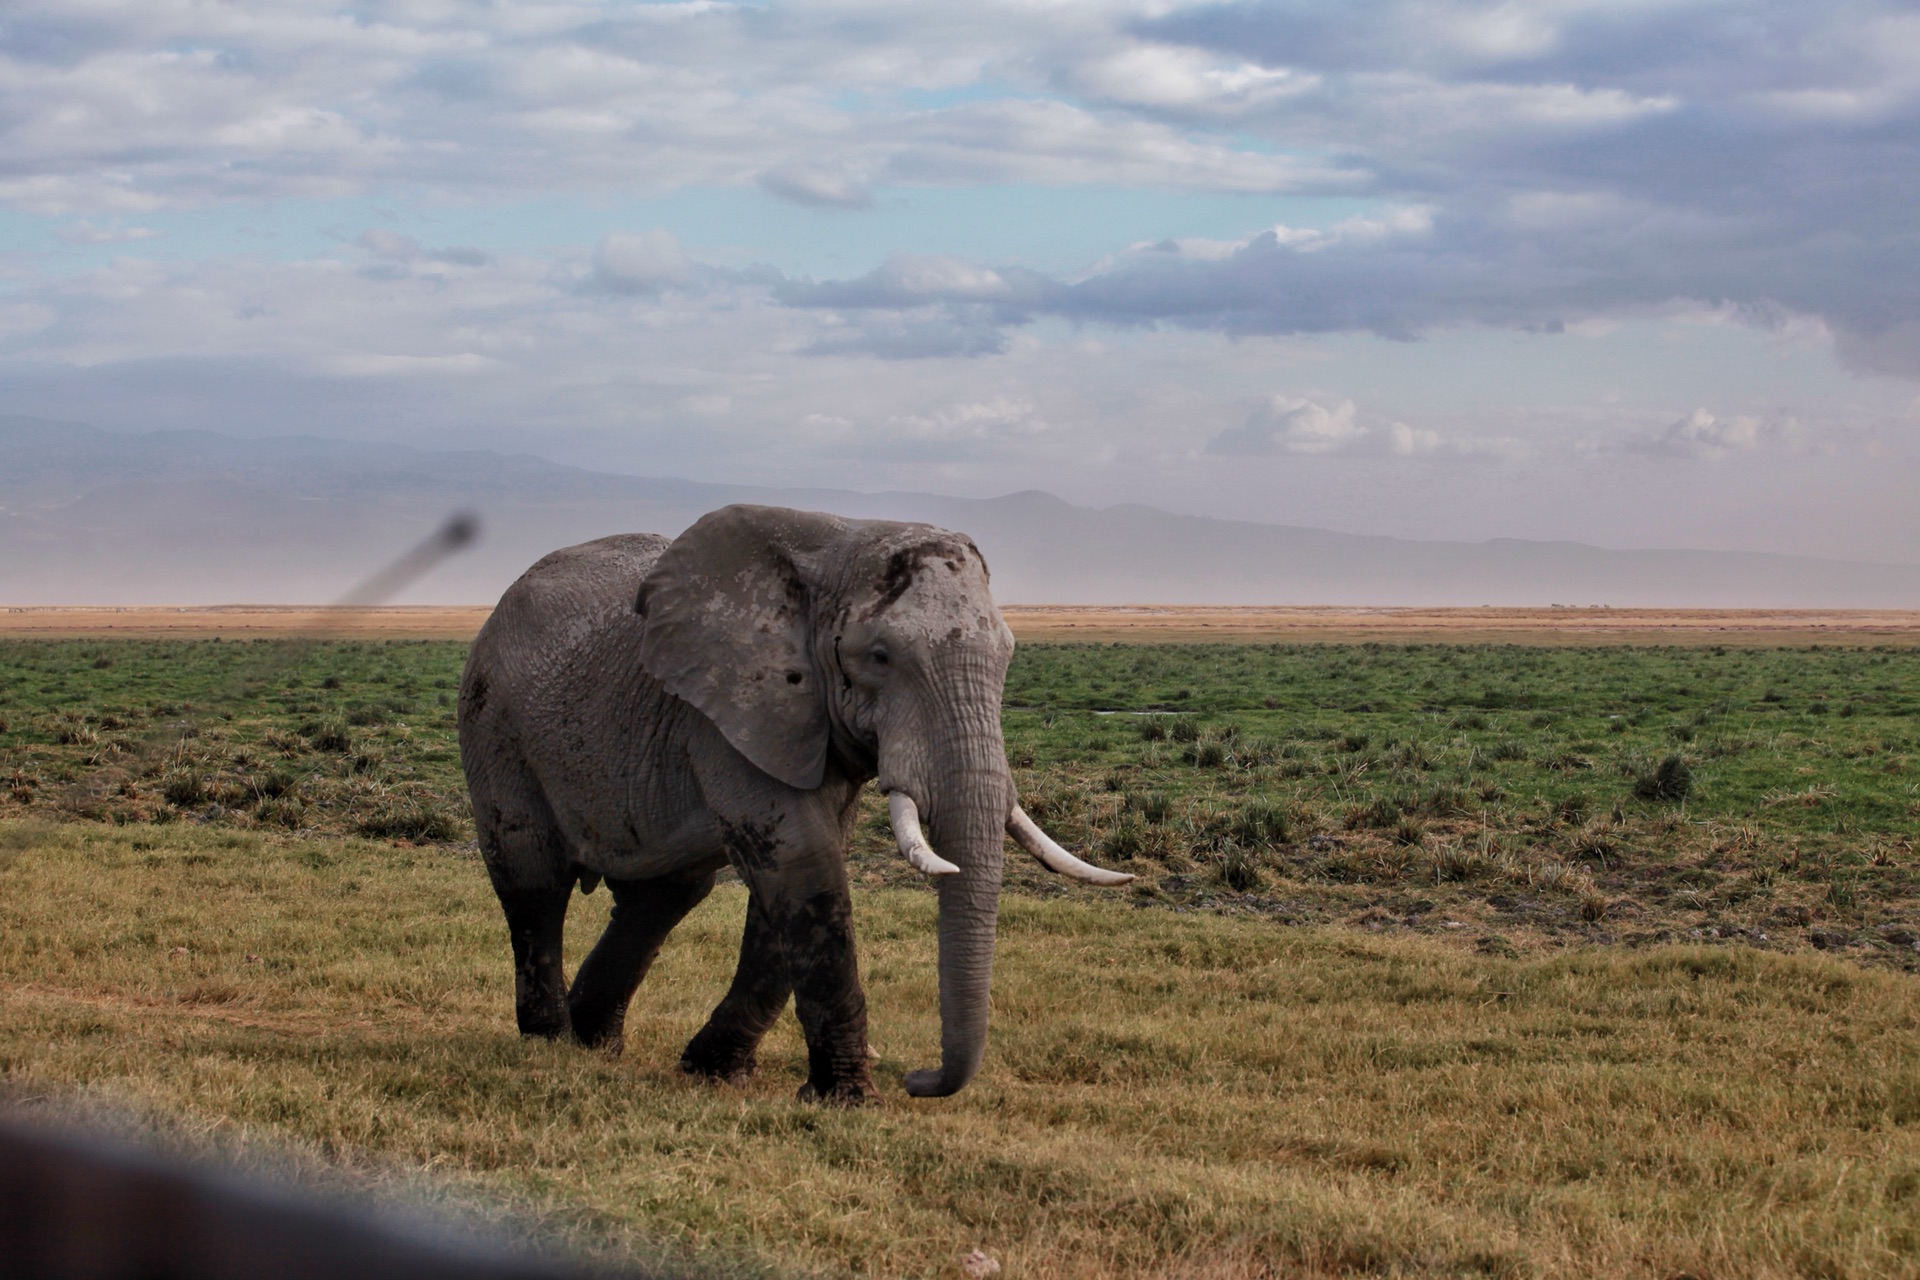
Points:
point(1522, 797)
point(1444, 960)
point(1164, 1094)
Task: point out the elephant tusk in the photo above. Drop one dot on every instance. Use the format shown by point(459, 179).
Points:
point(913, 845)
point(1053, 857)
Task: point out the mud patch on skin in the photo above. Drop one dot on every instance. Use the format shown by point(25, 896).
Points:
point(817, 937)
point(475, 695)
point(901, 568)
point(752, 846)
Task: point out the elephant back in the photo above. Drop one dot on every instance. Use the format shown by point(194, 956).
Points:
point(568, 592)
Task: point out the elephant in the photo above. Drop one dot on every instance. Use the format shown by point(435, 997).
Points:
point(647, 711)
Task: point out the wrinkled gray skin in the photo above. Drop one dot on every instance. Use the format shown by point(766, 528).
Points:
point(773, 663)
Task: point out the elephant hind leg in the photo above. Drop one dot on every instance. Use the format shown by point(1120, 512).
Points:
point(536, 921)
point(724, 1049)
point(530, 864)
point(644, 912)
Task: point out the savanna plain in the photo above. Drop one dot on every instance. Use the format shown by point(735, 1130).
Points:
point(1444, 959)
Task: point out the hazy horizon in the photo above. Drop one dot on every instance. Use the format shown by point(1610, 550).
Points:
point(95, 517)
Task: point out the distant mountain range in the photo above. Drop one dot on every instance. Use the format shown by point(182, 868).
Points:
point(193, 517)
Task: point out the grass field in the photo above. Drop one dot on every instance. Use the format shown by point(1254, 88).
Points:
point(1362, 1014)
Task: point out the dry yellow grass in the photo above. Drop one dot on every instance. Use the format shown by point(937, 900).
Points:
point(242, 622)
point(1101, 624)
point(1165, 1094)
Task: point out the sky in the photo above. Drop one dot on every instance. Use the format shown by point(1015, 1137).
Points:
point(1630, 273)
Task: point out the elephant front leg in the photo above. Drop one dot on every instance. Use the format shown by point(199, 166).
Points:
point(724, 1049)
point(816, 937)
point(810, 917)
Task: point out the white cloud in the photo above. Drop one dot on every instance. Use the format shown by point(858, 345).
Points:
point(88, 233)
point(1160, 76)
point(1701, 434)
point(1408, 441)
point(1288, 424)
point(1327, 426)
point(980, 420)
point(639, 262)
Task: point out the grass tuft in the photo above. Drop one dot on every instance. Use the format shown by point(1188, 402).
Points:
point(1671, 779)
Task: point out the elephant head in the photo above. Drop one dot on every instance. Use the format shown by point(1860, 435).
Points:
point(875, 649)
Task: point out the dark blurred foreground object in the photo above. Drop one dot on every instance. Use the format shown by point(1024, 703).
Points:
point(456, 534)
point(80, 1208)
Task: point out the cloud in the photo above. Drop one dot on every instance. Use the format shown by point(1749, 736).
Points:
point(914, 280)
point(902, 338)
point(390, 246)
point(87, 233)
point(639, 262)
point(816, 189)
point(1331, 425)
point(975, 420)
point(120, 107)
point(1701, 434)
point(1284, 424)
point(1570, 164)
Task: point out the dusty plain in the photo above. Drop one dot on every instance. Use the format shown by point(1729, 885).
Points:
point(1092, 624)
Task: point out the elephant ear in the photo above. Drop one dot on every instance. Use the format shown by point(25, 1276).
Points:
point(727, 608)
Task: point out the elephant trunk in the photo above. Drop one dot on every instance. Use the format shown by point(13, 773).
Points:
point(965, 794)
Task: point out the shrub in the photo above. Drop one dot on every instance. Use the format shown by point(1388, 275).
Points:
point(410, 818)
point(1596, 840)
point(281, 811)
point(184, 788)
point(276, 782)
point(1206, 755)
point(75, 733)
point(1238, 870)
point(287, 744)
point(1153, 728)
point(1125, 840)
point(1155, 806)
point(1184, 729)
point(1380, 813)
point(1671, 779)
point(1262, 822)
point(328, 735)
point(1573, 809)
point(1454, 862)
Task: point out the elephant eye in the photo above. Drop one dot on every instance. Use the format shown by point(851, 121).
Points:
point(880, 656)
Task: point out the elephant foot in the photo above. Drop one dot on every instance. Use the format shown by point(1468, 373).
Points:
point(598, 1028)
point(611, 1043)
point(542, 1023)
point(842, 1093)
point(713, 1058)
